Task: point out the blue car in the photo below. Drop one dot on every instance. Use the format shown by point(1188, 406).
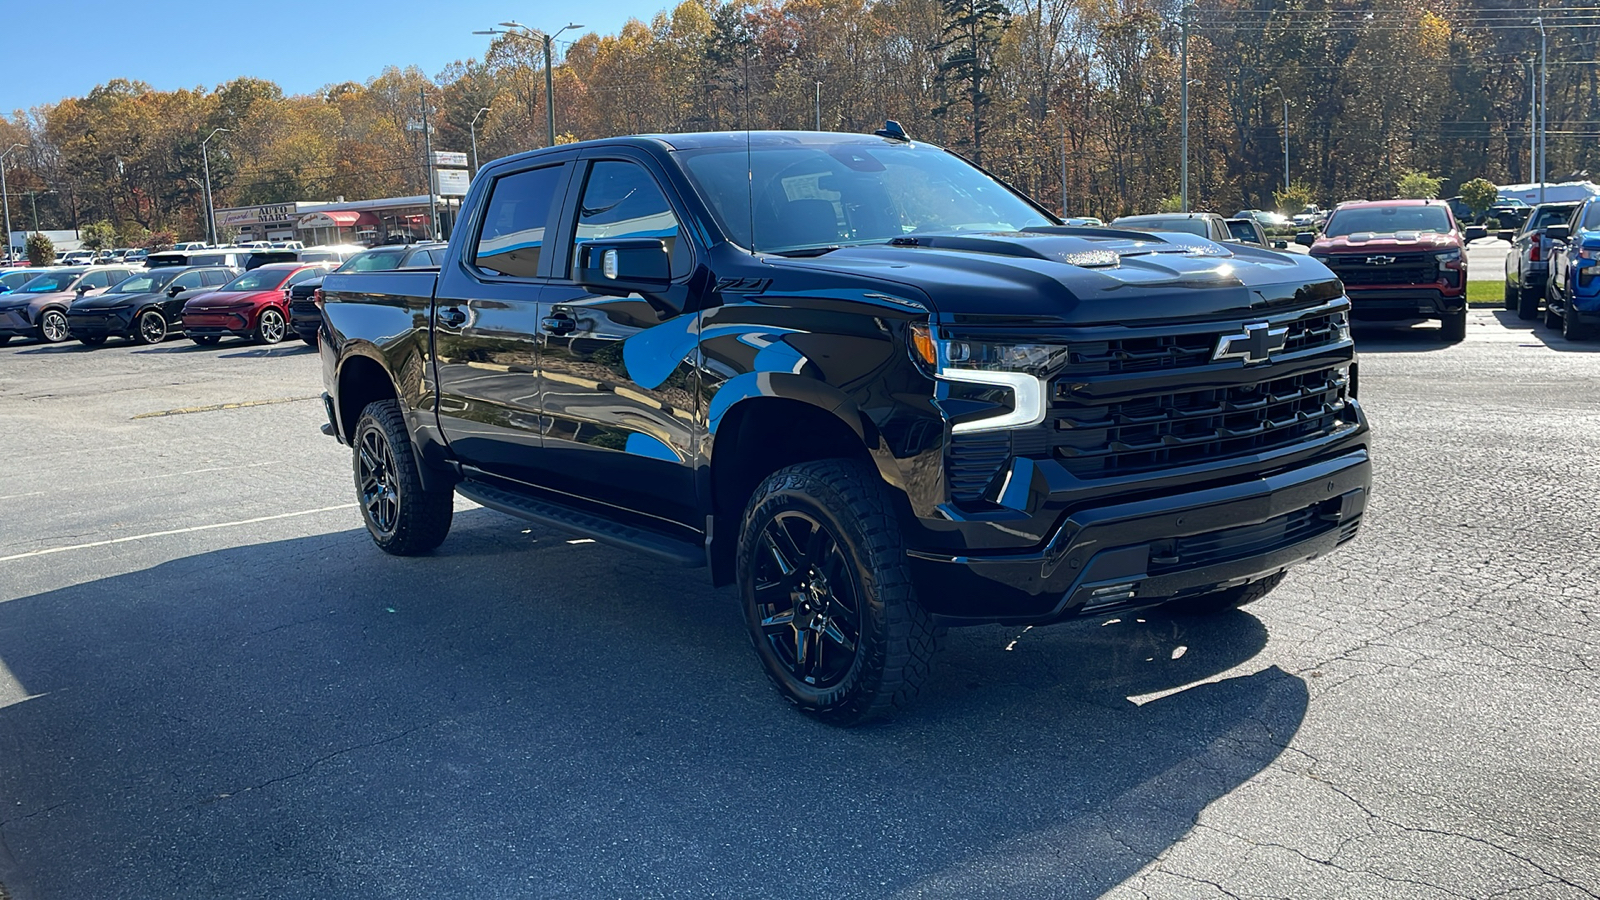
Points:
point(1572, 297)
point(11, 279)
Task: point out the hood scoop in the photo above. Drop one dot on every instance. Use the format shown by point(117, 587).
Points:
point(1086, 248)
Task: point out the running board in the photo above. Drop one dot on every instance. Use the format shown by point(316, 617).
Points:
point(585, 523)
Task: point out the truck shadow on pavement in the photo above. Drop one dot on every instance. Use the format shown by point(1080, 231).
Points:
point(1550, 337)
point(522, 716)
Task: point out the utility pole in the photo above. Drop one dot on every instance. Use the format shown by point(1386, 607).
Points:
point(474, 129)
point(1544, 111)
point(6, 198)
point(1183, 95)
point(211, 207)
point(1533, 124)
point(546, 38)
point(819, 106)
point(1063, 123)
point(427, 170)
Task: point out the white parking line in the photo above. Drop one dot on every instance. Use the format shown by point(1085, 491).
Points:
point(156, 534)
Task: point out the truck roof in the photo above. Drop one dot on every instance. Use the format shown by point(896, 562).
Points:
point(1363, 204)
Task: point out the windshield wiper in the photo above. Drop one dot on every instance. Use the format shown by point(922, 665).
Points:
point(805, 252)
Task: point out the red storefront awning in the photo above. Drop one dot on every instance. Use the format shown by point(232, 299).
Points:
point(341, 219)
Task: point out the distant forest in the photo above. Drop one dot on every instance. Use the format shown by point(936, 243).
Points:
point(1076, 102)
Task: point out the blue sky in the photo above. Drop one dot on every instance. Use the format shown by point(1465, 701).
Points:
point(300, 44)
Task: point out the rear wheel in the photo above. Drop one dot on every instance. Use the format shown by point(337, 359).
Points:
point(1453, 327)
point(1225, 599)
point(270, 326)
point(151, 327)
point(403, 517)
point(53, 326)
point(1527, 303)
point(827, 592)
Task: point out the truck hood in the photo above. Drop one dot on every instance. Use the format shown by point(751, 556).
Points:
point(1398, 242)
point(1084, 276)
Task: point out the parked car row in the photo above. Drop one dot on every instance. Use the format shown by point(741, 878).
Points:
point(1570, 287)
point(204, 294)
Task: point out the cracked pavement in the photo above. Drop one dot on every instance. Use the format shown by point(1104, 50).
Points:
point(277, 709)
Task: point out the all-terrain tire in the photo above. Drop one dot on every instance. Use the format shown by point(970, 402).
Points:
point(1453, 327)
point(827, 593)
point(1511, 298)
point(1225, 599)
point(1572, 329)
point(404, 517)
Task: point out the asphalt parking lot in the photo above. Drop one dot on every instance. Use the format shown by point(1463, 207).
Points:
point(213, 685)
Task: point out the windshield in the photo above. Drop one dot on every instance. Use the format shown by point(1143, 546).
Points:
point(259, 280)
point(374, 260)
point(50, 283)
point(13, 280)
point(1545, 216)
point(144, 284)
point(782, 193)
point(1180, 224)
point(1388, 220)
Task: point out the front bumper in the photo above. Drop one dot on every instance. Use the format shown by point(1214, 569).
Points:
point(1430, 301)
point(101, 323)
point(14, 322)
point(203, 324)
point(1137, 554)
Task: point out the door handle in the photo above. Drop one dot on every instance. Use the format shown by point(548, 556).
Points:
point(558, 324)
point(452, 316)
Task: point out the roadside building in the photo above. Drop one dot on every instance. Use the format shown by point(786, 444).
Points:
point(370, 222)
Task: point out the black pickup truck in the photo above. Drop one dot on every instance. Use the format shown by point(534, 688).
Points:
point(876, 388)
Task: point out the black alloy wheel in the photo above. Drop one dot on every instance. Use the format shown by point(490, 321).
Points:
point(404, 516)
point(271, 326)
point(809, 604)
point(151, 327)
point(827, 593)
point(92, 340)
point(53, 326)
point(205, 340)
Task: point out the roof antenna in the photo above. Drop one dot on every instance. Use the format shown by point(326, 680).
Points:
point(892, 130)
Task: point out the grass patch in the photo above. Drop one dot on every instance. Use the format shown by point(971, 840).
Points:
point(1486, 293)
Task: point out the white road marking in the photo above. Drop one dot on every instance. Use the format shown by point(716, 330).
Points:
point(156, 534)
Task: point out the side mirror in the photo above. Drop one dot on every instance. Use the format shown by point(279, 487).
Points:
point(1280, 245)
point(83, 289)
point(175, 290)
point(624, 266)
point(1507, 235)
point(1476, 233)
point(1306, 238)
point(1558, 232)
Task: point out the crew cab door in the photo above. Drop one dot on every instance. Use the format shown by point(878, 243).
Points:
point(486, 323)
point(618, 374)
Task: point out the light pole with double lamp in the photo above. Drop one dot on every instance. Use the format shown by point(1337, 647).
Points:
point(6, 199)
point(211, 207)
point(546, 38)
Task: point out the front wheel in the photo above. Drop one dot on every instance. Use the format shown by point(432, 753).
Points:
point(1510, 298)
point(1527, 303)
point(404, 517)
point(270, 326)
point(151, 327)
point(53, 326)
point(1571, 328)
point(827, 593)
point(1552, 319)
point(1453, 327)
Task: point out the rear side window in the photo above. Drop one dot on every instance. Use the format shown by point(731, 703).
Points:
point(215, 276)
point(302, 275)
point(514, 225)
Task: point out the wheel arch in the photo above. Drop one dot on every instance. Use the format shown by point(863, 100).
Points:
point(760, 434)
point(362, 379)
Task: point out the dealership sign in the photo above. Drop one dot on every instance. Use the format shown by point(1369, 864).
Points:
point(254, 215)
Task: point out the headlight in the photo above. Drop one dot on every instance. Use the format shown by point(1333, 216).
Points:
point(1448, 256)
point(974, 371)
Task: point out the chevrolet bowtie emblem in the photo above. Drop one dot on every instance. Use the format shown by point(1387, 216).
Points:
point(1379, 260)
point(1255, 344)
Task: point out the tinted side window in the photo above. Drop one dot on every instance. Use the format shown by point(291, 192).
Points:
point(513, 226)
point(188, 281)
point(302, 275)
point(215, 276)
point(95, 280)
point(621, 200)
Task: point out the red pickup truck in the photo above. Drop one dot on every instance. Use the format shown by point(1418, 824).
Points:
point(1400, 261)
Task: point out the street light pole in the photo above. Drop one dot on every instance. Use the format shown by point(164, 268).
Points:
point(1544, 112)
point(547, 39)
point(1285, 137)
point(5, 197)
point(427, 169)
point(211, 206)
point(474, 129)
point(1183, 95)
